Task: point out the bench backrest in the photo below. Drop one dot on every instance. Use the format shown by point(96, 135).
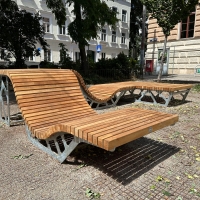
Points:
point(103, 92)
point(47, 97)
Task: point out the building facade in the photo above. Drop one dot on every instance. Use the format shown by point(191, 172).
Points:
point(112, 41)
point(183, 45)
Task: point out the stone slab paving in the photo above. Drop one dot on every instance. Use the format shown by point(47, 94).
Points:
point(163, 165)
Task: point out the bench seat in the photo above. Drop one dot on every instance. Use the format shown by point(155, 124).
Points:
point(112, 129)
point(107, 95)
point(54, 108)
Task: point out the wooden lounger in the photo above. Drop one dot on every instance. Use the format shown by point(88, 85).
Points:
point(108, 95)
point(161, 93)
point(105, 95)
point(58, 117)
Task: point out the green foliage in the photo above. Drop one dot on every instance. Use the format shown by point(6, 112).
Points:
point(7, 5)
point(65, 59)
point(196, 88)
point(50, 65)
point(90, 17)
point(21, 32)
point(166, 193)
point(92, 195)
point(120, 62)
point(135, 25)
point(58, 8)
point(169, 13)
point(110, 70)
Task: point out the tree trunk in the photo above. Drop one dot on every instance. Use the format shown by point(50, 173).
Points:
point(84, 64)
point(81, 46)
point(162, 59)
point(19, 63)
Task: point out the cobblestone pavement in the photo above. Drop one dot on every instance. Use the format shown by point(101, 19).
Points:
point(163, 165)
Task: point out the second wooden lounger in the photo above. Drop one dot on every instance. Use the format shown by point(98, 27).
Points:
point(107, 95)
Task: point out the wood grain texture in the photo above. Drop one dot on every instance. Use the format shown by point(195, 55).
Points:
point(51, 101)
point(104, 92)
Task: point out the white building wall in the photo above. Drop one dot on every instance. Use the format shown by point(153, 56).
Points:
point(54, 38)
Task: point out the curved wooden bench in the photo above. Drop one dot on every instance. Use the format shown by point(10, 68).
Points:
point(161, 91)
point(58, 117)
point(105, 95)
point(108, 95)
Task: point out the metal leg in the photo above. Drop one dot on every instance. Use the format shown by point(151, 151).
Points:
point(166, 98)
point(185, 95)
point(5, 115)
point(111, 103)
point(149, 93)
point(4, 110)
point(56, 146)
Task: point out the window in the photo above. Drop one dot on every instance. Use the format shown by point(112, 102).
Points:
point(62, 30)
point(47, 55)
point(103, 55)
point(124, 15)
point(46, 25)
point(114, 9)
point(114, 36)
point(103, 34)
point(2, 54)
point(123, 38)
point(187, 26)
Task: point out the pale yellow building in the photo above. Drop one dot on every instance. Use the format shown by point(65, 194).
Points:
point(183, 46)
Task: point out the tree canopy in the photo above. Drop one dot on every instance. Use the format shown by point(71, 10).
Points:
point(135, 27)
point(169, 13)
point(90, 17)
point(19, 32)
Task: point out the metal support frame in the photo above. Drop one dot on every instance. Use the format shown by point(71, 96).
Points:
point(111, 103)
point(58, 146)
point(170, 96)
point(4, 109)
point(5, 115)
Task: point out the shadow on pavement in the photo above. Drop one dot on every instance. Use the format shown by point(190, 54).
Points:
point(129, 161)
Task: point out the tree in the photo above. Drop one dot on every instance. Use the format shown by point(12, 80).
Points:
point(65, 59)
point(168, 13)
point(135, 27)
point(90, 17)
point(20, 32)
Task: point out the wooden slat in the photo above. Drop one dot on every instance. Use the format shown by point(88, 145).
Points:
point(48, 105)
point(52, 110)
point(129, 127)
point(91, 126)
point(114, 128)
point(41, 82)
point(53, 95)
point(51, 101)
point(38, 87)
point(114, 142)
point(70, 89)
